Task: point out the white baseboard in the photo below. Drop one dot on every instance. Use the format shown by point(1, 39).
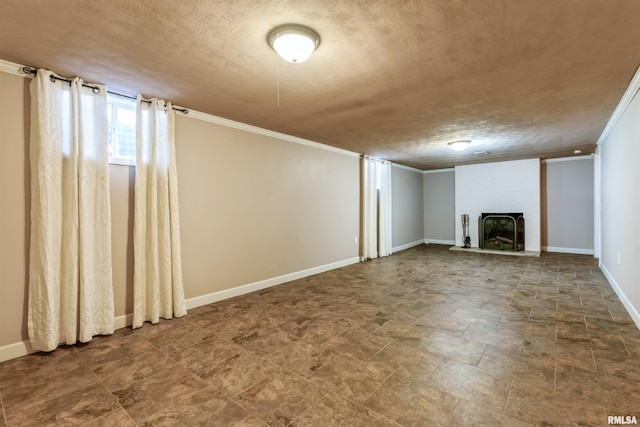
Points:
point(407, 246)
point(439, 242)
point(576, 251)
point(263, 284)
point(633, 312)
point(123, 321)
point(23, 348)
point(15, 350)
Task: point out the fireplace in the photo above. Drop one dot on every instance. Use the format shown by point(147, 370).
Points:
point(501, 231)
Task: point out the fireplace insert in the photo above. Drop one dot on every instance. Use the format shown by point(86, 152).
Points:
point(501, 231)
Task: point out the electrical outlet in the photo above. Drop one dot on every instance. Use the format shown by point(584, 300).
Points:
point(355, 239)
point(618, 258)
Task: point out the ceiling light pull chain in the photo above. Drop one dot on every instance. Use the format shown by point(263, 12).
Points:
point(278, 79)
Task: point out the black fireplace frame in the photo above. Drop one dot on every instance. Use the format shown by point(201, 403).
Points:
point(518, 227)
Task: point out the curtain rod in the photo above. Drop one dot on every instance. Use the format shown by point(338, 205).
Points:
point(30, 70)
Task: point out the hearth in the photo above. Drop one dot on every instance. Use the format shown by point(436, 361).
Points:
point(501, 231)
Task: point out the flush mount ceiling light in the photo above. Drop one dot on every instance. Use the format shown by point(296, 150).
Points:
point(294, 43)
point(460, 144)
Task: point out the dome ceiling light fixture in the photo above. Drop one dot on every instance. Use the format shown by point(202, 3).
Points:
point(460, 144)
point(293, 42)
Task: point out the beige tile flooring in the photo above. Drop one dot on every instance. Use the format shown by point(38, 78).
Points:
point(425, 337)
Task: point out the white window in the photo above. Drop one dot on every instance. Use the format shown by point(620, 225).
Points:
point(122, 130)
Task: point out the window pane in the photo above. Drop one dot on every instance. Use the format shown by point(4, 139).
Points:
point(122, 130)
point(110, 114)
point(126, 133)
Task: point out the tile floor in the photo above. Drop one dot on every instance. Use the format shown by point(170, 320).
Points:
point(425, 337)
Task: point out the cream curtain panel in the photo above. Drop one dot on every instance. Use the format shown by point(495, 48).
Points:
point(384, 208)
point(70, 279)
point(369, 209)
point(157, 288)
point(376, 208)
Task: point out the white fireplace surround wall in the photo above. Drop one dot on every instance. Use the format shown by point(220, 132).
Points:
point(498, 188)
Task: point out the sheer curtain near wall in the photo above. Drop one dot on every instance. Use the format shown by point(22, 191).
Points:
point(158, 289)
point(384, 208)
point(70, 279)
point(369, 209)
point(376, 208)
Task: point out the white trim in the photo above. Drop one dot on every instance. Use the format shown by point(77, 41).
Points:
point(13, 68)
point(568, 159)
point(407, 246)
point(597, 206)
point(439, 242)
point(623, 298)
point(577, 251)
point(23, 348)
point(263, 284)
point(123, 321)
point(440, 170)
point(15, 350)
point(631, 91)
point(266, 132)
point(409, 168)
point(121, 161)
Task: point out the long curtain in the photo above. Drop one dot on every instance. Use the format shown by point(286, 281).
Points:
point(158, 288)
point(369, 209)
point(376, 208)
point(70, 278)
point(384, 208)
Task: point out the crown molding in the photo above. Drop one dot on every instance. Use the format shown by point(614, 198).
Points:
point(629, 94)
point(13, 68)
point(568, 159)
point(266, 132)
point(440, 170)
point(409, 168)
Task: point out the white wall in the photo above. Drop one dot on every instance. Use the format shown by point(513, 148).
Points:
point(499, 187)
point(439, 206)
point(620, 200)
point(407, 215)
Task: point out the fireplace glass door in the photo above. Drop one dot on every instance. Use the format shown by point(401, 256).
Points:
point(501, 231)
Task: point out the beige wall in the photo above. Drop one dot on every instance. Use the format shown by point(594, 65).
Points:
point(252, 208)
point(407, 207)
point(122, 184)
point(14, 215)
point(439, 206)
point(14, 206)
point(566, 200)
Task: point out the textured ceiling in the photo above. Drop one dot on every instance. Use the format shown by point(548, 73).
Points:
point(396, 79)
